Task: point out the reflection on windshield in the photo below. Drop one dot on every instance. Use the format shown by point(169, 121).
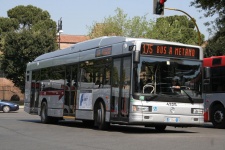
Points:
point(167, 76)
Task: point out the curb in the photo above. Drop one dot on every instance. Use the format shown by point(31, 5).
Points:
point(21, 107)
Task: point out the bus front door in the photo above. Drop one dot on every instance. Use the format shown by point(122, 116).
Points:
point(120, 89)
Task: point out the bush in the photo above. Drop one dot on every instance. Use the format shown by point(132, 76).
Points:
point(15, 97)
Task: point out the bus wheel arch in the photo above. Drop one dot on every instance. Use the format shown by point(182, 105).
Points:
point(99, 114)
point(217, 115)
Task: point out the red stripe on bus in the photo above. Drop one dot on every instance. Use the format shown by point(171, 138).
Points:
point(51, 93)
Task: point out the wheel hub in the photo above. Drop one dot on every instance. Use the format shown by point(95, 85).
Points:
point(218, 116)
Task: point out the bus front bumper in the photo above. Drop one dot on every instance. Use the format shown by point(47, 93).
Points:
point(189, 120)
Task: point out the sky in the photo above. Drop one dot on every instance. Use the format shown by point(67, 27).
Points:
point(78, 15)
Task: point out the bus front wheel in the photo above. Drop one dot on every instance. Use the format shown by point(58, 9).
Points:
point(160, 128)
point(218, 116)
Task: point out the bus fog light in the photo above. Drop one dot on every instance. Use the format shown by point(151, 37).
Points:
point(197, 111)
point(136, 108)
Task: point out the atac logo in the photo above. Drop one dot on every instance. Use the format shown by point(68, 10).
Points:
point(172, 110)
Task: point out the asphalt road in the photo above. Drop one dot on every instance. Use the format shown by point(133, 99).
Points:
point(22, 131)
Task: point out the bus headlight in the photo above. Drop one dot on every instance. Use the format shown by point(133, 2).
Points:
point(197, 111)
point(140, 108)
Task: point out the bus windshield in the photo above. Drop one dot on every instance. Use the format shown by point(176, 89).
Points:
point(168, 76)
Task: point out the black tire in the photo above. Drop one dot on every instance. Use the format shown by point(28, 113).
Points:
point(218, 116)
point(160, 128)
point(44, 113)
point(6, 109)
point(100, 117)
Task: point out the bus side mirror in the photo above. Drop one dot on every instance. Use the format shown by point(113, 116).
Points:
point(136, 56)
point(207, 72)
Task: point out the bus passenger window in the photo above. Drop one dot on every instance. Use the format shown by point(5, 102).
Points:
point(84, 79)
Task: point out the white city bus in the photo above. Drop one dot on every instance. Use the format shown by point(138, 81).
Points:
point(118, 80)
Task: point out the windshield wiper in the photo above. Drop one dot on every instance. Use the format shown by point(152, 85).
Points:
point(189, 97)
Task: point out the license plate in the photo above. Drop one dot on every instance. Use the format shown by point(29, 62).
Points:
point(168, 119)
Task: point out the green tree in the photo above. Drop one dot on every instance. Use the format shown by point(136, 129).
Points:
point(173, 28)
point(6, 25)
point(215, 45)
point(121, 25)
point(211, 8)
point(177, 29)
point(31, 33)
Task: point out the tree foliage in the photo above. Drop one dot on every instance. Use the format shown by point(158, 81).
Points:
point(121, 25)
point(173, 28)
point(210, 7)
point(27, 33)
point(28, 15)
point(215, 45)
point(177, 29)
point(7, 24)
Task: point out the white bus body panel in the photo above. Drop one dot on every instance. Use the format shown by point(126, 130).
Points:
point(86, 99)
point(55, 105)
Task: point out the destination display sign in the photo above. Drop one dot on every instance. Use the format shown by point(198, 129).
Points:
point(103, 51)
point(169, 50)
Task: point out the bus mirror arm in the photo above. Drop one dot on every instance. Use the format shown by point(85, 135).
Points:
point(136, 56)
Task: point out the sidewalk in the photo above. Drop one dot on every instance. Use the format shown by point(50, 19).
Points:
point(21, 106)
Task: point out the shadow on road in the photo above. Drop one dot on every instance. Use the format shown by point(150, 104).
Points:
point(11, 112)
point(127, 129)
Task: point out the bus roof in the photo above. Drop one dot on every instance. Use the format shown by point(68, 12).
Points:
point(57, 57)
point(89, 44)
point(214, 61)
point(100, 42)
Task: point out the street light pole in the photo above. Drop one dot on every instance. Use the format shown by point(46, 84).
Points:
point(199, 35)
point(59, 40)
point(59, 29)
point(58, 34)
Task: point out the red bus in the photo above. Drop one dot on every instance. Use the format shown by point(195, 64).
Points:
point(214, 90)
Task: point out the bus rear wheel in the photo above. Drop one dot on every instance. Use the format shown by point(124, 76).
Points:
point(44, 113)
point(218, 116)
